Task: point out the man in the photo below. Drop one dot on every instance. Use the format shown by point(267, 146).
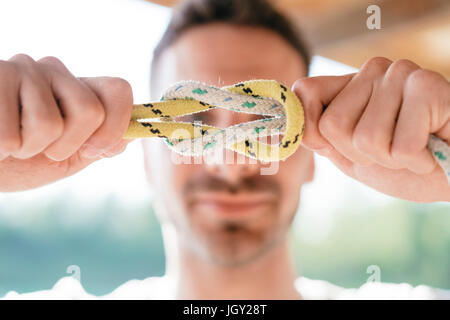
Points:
point(225, 225)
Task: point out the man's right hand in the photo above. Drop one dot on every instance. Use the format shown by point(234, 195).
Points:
point(53, 124)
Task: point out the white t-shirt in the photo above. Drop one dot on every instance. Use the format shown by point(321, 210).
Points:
point(163, 288)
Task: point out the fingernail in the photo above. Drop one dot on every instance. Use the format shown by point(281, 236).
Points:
point(324, 151)
point(89, 151)
point(118, 148)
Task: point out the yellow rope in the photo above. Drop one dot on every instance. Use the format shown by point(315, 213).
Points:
point(141, 124)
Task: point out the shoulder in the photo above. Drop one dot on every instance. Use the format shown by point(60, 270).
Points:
point(319, 289)
point(67, 288)
point(153, 288)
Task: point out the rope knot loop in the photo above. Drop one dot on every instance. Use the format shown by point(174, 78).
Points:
point(282, 108)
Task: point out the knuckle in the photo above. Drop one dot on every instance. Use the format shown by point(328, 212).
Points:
point(8, 68)
point(422, 79)
point(365, 140)
point(403, 65)
point(10, 144)
point(51, 61)
point(22, 58)
point(376, 65)
point(51, 127)
point(92, 112)
point(118, 85)
point(121, 94)
point(329, 126)
point(300, 84)
point(33, 77)
point(304, 85)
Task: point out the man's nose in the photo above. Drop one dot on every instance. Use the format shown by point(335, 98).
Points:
point(234, 167)
point(229, 165)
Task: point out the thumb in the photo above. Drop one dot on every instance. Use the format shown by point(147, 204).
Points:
point(315, 94)
point(117, 99)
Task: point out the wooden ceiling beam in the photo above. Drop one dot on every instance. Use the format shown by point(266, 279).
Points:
point(424, 41)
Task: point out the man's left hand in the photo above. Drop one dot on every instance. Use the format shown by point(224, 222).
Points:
point(376, 125)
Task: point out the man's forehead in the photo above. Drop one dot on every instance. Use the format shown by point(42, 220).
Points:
point(223, 54)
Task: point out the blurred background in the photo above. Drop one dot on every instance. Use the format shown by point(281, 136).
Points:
point(102, 220)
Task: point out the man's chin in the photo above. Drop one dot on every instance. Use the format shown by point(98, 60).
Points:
point(233, 230)
point(227, 257)
point(232, 245)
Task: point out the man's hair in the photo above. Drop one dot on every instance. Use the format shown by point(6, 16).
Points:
point(256, 13)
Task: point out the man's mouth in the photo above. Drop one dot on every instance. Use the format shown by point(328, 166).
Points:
point(230, 205)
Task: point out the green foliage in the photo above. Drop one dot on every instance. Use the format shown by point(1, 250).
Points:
point(111, 243)
point(408, 242)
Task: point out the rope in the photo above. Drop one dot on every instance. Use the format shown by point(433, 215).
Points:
point(282, 111)
point(260, 97)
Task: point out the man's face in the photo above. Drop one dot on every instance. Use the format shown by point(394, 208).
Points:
point(227, 213)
